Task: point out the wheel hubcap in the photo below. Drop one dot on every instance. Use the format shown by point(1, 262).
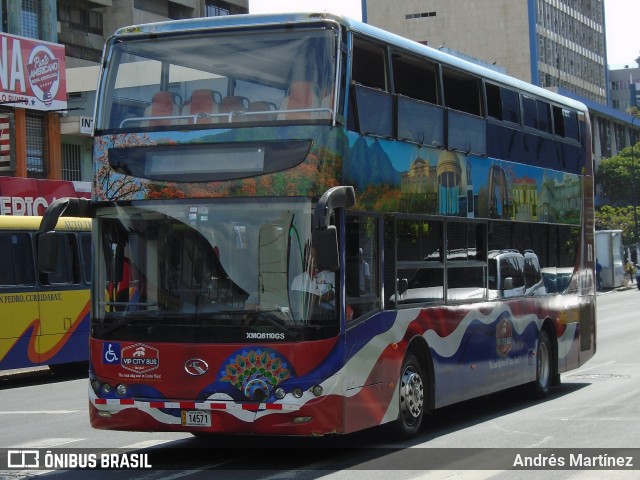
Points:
point(411, 395)
point(544, 367)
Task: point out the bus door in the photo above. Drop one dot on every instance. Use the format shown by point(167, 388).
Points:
point(64, 304)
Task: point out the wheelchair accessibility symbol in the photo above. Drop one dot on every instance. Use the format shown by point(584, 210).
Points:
point(111, 353)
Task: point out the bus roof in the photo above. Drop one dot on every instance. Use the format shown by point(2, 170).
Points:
point(11, 222)
point(249, 20)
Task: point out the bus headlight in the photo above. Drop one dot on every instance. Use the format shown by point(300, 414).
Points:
point(317, 390)
point(121, 389)
point(280, 393)
point(95, 384)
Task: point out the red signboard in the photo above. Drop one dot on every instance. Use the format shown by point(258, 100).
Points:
point(140, 358)
point(28, 196)
point(32, 73)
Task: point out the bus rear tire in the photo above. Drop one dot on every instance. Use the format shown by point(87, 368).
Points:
point(412, 397)
point(541, 387)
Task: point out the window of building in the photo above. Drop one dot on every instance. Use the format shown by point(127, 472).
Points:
point(36, 146)
point(217, 9)
point(409, 16)
point(7, 135)
point(31, 18)
point(77, 17)
point(71, 162)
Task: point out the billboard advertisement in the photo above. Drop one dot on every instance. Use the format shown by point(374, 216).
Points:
point(32, 73)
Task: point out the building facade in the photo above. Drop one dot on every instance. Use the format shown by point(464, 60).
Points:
point(43, 139)
point(624, 84)
point(555, 44)
point(550, 43)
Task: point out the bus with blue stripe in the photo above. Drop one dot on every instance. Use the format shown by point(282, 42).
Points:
point(327, 227)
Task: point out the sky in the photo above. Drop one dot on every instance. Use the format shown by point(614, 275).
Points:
point(622, 19)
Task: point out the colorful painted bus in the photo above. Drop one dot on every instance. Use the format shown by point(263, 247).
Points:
point(313, 226)
point(44, 317)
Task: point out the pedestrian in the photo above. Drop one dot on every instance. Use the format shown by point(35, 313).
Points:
point(598, 276)
point(630, 270)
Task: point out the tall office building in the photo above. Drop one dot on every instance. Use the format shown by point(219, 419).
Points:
point(551, 43)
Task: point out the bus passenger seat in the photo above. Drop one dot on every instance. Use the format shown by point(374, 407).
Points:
point(163, 104)
point(262, 107)
point(203, 101)
point(234, 104)
point(301, 96)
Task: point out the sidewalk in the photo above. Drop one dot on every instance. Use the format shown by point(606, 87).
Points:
point(629, 286)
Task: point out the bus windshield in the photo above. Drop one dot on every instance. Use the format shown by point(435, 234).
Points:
point(219, 78)
point(211, 272)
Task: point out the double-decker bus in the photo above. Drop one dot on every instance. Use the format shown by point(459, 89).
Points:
point(44, 317)
point(306, 225)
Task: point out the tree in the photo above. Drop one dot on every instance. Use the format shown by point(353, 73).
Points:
point(619, 176)
point(617, 218)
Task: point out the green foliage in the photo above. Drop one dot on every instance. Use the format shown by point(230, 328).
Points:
point(617, 218)
point(619, 177)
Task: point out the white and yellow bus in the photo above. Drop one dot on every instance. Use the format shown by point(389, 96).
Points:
point(44, 318)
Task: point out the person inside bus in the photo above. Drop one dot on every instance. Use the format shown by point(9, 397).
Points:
point(317, 286)
point(365, 273)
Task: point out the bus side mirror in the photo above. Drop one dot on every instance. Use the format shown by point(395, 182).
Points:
point(47, 252)
point(508, 283)
point(403, 285)
point(325, 242)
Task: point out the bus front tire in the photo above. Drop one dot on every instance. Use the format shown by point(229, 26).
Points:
point(544, 366)
point(412, 397)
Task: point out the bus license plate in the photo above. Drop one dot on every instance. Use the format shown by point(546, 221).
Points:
point(196, 418)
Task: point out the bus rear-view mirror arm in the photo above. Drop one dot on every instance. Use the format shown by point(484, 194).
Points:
point(324, 235)
point(64, 207)
point(47, 239)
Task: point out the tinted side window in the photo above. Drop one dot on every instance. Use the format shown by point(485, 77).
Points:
point(466, 261)
point(361, 271)
point(529, 112)
point(68, 267)
point(17, 266)
point(420, 261)
point(369, 65)
point(85, 249)
point(415, 78)
point(461, 91)
point(502, 103)
point(566, 123)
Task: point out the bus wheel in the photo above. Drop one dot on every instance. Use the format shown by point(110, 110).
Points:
point(412, 397)
point(544, 366)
